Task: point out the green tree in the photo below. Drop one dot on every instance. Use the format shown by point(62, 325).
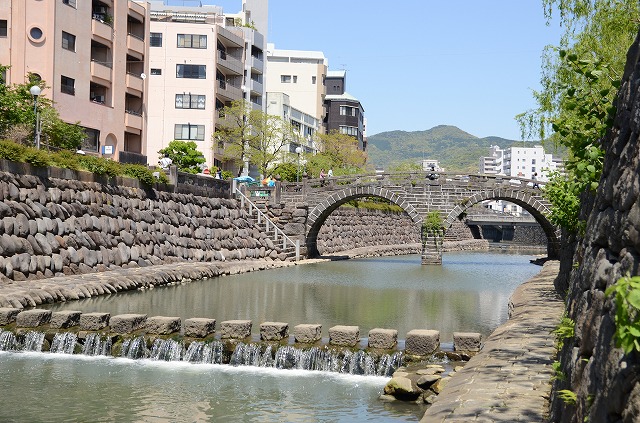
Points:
point(185, 155)
point(267, 147)
point(236, 132)
point(17, 111)
point(579, 81)
point(338, 152)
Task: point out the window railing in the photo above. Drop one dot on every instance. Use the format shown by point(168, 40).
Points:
point(99, 62)
point(133, 112)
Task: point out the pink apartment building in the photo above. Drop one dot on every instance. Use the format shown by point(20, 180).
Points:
point(93, 56)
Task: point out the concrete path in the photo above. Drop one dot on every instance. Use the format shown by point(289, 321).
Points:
point(510, 379)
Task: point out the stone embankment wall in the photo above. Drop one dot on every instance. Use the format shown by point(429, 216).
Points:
point(605, 380)
point(51, 226)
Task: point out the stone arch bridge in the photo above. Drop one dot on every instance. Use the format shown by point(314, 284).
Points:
point(418, 194)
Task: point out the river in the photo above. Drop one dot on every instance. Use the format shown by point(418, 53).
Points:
point(469, 292)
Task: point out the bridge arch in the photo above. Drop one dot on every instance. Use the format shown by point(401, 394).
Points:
point(522, 198)
point(319, 214)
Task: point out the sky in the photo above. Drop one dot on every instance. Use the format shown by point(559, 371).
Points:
point(416, 64)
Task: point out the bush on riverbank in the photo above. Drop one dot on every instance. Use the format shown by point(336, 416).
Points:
point(66, 159)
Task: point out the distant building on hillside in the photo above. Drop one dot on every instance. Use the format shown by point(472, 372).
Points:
point(428, 164)
point(345, 113)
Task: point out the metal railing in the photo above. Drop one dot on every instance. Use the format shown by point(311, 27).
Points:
point(261, 217)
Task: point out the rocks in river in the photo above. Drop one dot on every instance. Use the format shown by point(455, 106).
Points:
point(307, 333)
point(420, 383)
point(198, 327)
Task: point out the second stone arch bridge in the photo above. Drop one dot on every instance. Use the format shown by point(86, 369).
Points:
point(418, 194)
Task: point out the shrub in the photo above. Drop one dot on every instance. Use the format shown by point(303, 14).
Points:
point(12, 151)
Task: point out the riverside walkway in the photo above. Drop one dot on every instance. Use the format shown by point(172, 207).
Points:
point(510, 379)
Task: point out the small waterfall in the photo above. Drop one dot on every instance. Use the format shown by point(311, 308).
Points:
point(166, 350)
point(7, 341)
point(64, 343)
point(95, 345)
point(246, 355)
point(388, 364)
point(201, 352)
point(134, 348)
point(33, 341)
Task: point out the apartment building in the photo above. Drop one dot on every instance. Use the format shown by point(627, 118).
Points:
point(93, 56)
point(201, 60)
point(301, 75)
point(344, 112)
point(304, 125)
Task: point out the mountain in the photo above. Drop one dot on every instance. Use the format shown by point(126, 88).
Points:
point(456, 150)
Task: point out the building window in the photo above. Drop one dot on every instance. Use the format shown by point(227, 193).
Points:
point(3, 27)
point(192, 41)
point(190, 101)
point(92, 142)
point(533, 161)
point(68, 41)
point(36, 33)
point(155, 39)
point(313, 80)
point(347, 111)
point(349, 130)
point(155, 71)
point(285, 79)
point(295, 79)
point(67, 85)
point(189, 132)
point(191, 71)
point(71, 3)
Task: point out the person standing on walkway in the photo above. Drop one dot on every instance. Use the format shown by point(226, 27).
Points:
point(535, 180)
point(330, 173)
point(322, 176)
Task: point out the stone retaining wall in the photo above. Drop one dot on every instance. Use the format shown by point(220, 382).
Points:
point(52, 227)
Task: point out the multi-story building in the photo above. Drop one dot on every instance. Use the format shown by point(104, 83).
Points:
point(201, 60)
point(301, 76)
point(93, 54)
point(344, 112)
point(304, 125)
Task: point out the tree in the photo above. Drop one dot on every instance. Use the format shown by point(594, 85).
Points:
point(579, 81)
point(185, 155)
point(338, 152)
point(16, 111)
point(236, 132)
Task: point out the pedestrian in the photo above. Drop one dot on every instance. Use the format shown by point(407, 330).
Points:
point(330, 173)
point(322, 176)
point(219, 173)
point(535, 180)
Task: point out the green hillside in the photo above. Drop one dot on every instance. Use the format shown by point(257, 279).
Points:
point(456, 150)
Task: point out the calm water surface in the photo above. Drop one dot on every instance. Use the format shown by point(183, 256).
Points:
point(468, 293)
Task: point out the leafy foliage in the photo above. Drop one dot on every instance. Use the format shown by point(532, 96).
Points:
point(579, 81)
point(432, 224)
point(565, 330)
point(185, 155)
point(338, 152)
point(563, 192)
point(558, 373)
point(626, 292)
point(70, 160)
point(568, 397)
point(17, 109)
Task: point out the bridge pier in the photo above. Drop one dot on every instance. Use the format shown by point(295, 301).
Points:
point(432, 249)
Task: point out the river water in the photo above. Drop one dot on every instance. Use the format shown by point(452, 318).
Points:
point(469, 292)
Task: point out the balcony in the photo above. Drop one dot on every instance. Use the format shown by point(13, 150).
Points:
point(228, 91)
point(256, 87)
point(135, 46)
point(230, 63)
point(135, 84)
point(133, 122)
point(137, 11)
point(101, 31)
point(257, 65)
point(230, 39)
point(101, 72)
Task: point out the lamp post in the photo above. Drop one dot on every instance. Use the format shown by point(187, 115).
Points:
point(35, 92)
point(298, 151)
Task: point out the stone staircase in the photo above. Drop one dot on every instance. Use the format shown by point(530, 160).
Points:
point(258, 216)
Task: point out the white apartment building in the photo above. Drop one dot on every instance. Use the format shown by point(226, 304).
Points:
point(305, 126)
point(301, 76)
point(521, 162)
point(201, 60)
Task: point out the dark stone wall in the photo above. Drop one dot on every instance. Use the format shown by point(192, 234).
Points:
point(51, 226)
point(606, 381)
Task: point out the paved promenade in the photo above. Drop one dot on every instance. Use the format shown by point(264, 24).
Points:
point(510, 379)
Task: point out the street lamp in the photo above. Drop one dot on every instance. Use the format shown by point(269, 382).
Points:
point(35, 92)
point(298, 151)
